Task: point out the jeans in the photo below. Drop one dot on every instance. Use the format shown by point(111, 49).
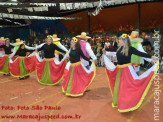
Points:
point(138, 73)
point(87, 66)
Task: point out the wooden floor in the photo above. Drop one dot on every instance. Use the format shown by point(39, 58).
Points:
point(95, 106)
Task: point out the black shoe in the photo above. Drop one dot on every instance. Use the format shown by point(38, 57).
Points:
point(21, 78)
point(87, 90)
point(26, 77)
point(8, 74)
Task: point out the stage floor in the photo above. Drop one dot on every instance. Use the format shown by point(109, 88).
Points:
point(95, 106)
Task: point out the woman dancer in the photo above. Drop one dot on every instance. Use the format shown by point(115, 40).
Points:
point(4, 60)
point(49, 69)
point(22, 65)
point(127, 88)
point(76, 76)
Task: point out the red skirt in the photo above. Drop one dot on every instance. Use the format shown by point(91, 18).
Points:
point(22, 66)
point(127, 88)
point(49, 71)
point(77, 78)
point(4, 64)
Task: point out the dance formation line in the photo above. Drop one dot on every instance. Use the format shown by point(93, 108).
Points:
point(124, 78)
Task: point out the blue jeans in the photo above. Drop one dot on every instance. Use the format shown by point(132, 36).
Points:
point(138, 73)
point(87, 66)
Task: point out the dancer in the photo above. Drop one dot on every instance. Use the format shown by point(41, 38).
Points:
point(136, 43)
point(22, 65)
point(2, 42)
point(56, 41)
point(49, 69)
point(127, 88)
point(86, 48)
point(76, 77)
point(4, 60)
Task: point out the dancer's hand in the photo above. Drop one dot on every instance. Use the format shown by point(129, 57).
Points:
point(96, 61)
point(103, 50)
point(155, 58)
point(36, 50)
point(153, 62)
point(91, 60)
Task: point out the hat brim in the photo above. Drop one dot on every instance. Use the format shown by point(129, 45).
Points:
point(57, 39)
point(79, 36)
point(136, 39)
point(18, 43)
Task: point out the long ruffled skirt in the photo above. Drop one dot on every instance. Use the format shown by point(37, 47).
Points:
point(22, 66)
point(127, 88)
point(49, 71)
point(4, 64)
point(77, 78)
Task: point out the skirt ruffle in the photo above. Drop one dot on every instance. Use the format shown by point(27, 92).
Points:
point(22, 66)
point(49, 71)
point(127, 88)
point(77, 78)
point(4, 64)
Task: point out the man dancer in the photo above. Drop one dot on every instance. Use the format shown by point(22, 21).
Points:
point(86, 48)
point(136, 43)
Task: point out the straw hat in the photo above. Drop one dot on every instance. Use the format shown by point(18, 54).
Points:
point(2, 39)
point(18, 42)
point(55, 37)
point(7, 39)
point(134, 37)
point(83, 36)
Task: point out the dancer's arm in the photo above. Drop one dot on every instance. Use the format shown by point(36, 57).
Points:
point(58, 49)
point(140, 48)
point(111, 53)
point(12, 44)
point(82, 55)
point(40, 46)
point(13, 53)
point(67, 54)
point(62, 47)
point(90, 52)
point(138, 53)
point(111, 49)
point(29, 48)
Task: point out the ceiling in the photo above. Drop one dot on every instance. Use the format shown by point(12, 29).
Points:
point(23, 6)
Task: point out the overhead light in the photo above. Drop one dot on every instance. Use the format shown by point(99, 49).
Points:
point(14, 0)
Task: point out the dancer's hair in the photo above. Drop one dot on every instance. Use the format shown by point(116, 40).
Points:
point(126, 46)
point(20, 47)
point(7, 39)
point(49, 37)
point(77, 44)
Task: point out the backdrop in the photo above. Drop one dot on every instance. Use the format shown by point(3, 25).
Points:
point(121, 18)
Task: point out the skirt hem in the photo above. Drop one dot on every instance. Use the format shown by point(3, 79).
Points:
point(144, 94)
